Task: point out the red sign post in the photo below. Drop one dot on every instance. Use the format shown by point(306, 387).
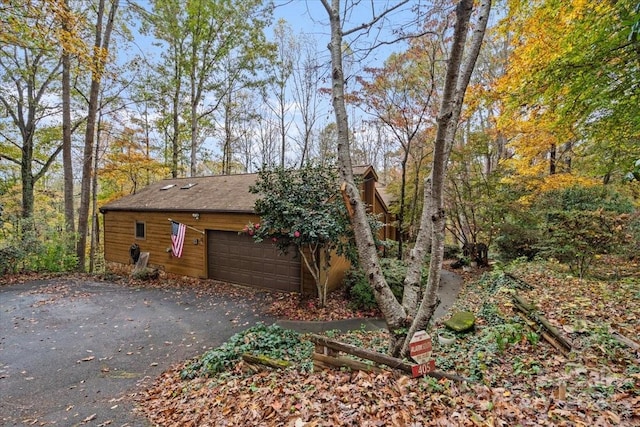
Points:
point(420, 350)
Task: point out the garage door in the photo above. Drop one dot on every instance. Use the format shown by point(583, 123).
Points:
point(238, 259)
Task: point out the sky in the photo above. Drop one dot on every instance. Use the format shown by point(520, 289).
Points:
point(310, 17)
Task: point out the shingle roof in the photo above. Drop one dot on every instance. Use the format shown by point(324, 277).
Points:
point(363, 170)
point(218, 193)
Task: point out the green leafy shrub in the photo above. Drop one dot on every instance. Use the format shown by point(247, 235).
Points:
point(302, 210)
point(582, 222)
point(389, 249)
point(394, 271)
point(580, 198)
point(516, 241)
point(54, 256)
point(451, 251)
point(11, 257)
point(359, 292)
point(35, 246)
point(575, 237)
point(267, 340)
point(505, 334)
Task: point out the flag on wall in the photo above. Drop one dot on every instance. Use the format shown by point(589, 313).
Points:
point(178, 231)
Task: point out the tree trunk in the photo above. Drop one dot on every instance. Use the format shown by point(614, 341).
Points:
point(395, 315)
point(175, 110)
point(193, 113)
point(403, 187)
point(283, 134)
point(94, 200)
point(67, 161)
point(101, 45)
point(456, 82)
point(27, 176)
point(412, 281)
point(552, 159)
point(227, 152)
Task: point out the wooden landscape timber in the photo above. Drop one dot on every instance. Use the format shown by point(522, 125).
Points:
point(327, 354)
point(266, 361)
point(536, 321)
point(325, 361)
point(521, 283)
point(624, 340)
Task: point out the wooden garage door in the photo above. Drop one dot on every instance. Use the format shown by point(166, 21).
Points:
point(237, 258)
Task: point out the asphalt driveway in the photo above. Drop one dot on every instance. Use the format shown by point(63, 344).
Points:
point(75, 352)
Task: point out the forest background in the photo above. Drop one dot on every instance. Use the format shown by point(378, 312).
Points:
point(100, 98)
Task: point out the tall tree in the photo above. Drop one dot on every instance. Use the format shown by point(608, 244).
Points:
point(327, 144)
point(280, 74)
point(477, 160)
point(166, 23)
point(30, 62)
point(268, 152)
point(459, 67)
point(400, 95)
point(201, 35)
point(237, 106)
point(217, 30)
point(306, 78)
point(105, 15)
point(394, 313)
point(127, 165)
point(67, 23)
point(571, 89)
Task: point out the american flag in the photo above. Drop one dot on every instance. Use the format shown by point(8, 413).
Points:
point(178, 231)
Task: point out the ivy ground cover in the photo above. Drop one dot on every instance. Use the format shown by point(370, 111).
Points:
point(515, 376)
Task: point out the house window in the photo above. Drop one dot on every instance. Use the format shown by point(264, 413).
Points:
point(140, 230)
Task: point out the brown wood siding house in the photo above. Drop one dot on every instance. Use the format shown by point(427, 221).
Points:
point(215, 209)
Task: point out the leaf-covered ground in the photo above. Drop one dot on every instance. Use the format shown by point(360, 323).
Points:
point(290, 306)
point(517, 378)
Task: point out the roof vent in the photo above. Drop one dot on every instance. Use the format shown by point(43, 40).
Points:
point(188, 186)
point(166, 187)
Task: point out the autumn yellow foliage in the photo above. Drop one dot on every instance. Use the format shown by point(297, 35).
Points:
point(552, 88)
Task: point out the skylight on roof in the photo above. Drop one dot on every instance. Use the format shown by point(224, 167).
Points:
point(166, 187)
point(188, 186)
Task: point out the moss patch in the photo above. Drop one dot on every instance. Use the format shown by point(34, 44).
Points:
point(461, 321)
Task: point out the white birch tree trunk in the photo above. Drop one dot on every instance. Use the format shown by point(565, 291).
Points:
point(459, 70)
point(400, 316)
point(393, 311)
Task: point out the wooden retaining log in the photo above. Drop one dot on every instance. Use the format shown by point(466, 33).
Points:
point(549, 332)
point(325, 345)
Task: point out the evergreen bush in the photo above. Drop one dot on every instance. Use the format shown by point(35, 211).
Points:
point(516, 241)
point(579, 223)
point(359, 291)
point(37, 247)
